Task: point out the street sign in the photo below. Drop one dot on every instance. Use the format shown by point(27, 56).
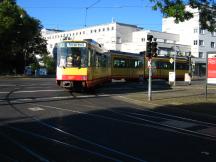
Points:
point(149, 63)
point(211, 71)
point(171, 60)
point(171, 76)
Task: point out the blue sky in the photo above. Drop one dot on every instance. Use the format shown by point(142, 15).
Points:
point(71, 14)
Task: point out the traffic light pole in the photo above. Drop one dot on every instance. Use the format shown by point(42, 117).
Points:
point(150, 80)
point(151, 51)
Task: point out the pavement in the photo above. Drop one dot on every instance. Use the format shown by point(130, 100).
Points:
point(181, 99)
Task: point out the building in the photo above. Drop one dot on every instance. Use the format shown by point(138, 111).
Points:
point(120, 37)
point(190, 33)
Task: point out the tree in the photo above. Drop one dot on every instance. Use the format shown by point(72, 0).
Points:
point(20, 37)
point(49, 64)
point(177, 9)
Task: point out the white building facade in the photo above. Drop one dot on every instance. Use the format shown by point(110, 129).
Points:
point(190, 33)
point(118, 36)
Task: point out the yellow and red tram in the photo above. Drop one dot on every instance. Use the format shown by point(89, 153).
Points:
point(81, 63)
point(87, 64)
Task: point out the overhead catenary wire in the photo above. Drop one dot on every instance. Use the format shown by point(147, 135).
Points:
point(86, 9)
point(83, 7)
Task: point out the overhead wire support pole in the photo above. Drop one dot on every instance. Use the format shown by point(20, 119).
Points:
point(86, 10)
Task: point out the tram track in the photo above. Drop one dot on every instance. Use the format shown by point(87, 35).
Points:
point(105, 149)
point(138, 117)
point(142, 122)
point(190, 126)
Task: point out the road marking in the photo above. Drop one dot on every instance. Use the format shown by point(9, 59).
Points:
point(49, 90)
point(35, 108)
point(54, 98)
point(7, 85)
point(211, 131)
point(179, 124)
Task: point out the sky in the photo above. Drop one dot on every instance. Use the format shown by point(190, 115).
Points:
point(76, 14)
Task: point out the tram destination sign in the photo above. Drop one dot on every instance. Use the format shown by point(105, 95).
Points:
point(73, 44)
point(211, 68)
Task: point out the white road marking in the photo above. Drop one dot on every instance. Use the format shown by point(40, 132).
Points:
point(35, 108)
point(49, 90)
point(179, 124)
point(211, 131)
point(36, 91)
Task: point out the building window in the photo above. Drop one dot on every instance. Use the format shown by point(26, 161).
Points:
point(201, 55)
point(91, 31)
point(119, 40)
point(103, 29)
point(107, 28)
point(112, 28)
point(212, 44)
point(99, 30)
point(83, 32)
point(195, 30)
point(202, 31)
point(201, 43)
point(213, 34)
point(195, 42)
point(142, 39)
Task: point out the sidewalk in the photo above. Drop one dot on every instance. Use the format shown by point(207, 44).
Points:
point(181, 98)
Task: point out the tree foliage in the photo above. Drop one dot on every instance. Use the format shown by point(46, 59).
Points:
point(20, 37)
point(177, 9)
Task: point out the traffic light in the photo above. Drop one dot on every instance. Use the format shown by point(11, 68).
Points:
point(149, 46)
point(148, 49)
point(154, 49)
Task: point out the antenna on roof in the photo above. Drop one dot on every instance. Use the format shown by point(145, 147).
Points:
point(113, 20)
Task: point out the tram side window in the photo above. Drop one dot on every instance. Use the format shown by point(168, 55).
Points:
point(154, 64)
point(182, 66)
point(101, 60)
point(119, 63)
point(136, 63)
point(166, 65)
point(97, 60)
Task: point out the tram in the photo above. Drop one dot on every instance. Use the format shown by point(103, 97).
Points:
point(124, 65)
point(161, 66)
point(81, 64)
point(86, 64)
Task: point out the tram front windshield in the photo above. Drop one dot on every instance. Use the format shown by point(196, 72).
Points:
point(72, 55)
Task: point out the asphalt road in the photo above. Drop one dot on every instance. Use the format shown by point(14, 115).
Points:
point(42, 122)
